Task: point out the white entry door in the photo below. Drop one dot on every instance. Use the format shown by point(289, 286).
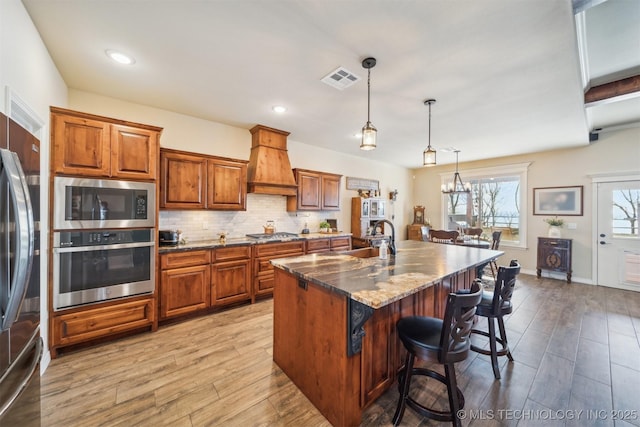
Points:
point(618, 238)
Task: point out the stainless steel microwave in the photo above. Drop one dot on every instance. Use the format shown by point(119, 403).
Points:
point(102, 203)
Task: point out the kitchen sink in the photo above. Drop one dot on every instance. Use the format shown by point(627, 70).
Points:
point(363, 252)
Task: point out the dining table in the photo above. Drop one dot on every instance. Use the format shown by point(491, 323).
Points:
point(474, 243)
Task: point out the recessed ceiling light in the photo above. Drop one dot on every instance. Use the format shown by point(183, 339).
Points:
point(279, 109)
point(120, 57)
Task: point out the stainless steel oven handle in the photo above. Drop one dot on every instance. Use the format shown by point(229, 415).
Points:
point(103, 247)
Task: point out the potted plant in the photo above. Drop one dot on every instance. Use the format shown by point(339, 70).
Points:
point(324, 227)
point(555, 225)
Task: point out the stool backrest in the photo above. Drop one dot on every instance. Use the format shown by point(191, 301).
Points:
point(457, 323)
point(505, 282)
point(443, 236)
point(496, 235)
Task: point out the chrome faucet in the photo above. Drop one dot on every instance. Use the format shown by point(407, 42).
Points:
point(392, 243)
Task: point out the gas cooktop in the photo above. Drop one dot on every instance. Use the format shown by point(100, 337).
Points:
point(273, 236)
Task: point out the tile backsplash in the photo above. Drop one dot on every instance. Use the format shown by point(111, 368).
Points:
point(204, 225)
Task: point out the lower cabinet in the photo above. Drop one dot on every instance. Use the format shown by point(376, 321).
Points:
point(184, 283)
point(87, 324)
point(327, 244)
point(231, 275)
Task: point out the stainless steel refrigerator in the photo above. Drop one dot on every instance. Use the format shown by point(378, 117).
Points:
point(20, 342)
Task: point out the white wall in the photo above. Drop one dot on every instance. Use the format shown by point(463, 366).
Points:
point(615, 152)
point(27, 69)
point(197, 135)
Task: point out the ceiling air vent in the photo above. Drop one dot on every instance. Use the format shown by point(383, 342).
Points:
point(340, 78)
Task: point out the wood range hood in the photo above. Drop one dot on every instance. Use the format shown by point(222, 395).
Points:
point(269, 170)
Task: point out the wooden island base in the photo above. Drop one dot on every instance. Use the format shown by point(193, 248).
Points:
point(310, 342)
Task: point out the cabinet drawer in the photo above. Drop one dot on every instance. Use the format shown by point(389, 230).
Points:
point(318, 245)
point(232, 253)
point(279, 250)
point(185, 259)
point(340, 243)
point(555, 243)
point(95, 323)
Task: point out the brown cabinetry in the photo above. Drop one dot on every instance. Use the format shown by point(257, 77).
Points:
point(184, 283)
point(317, 191)
point(89, 145)
point(554, 255)
point(78, 326)
point(262, 268)
point(231, 275)
point(342, 243)
point(415, 232)
point(195, 181)
point(365, 212)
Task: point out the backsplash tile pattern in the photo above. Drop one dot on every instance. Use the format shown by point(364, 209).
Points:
point(260, 209)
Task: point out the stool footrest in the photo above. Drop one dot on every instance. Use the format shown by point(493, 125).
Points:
point(502, 352)
point(423, 410)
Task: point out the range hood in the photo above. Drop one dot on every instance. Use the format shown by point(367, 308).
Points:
point(269, 170)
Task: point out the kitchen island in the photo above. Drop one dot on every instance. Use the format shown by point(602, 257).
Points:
point(335, 314)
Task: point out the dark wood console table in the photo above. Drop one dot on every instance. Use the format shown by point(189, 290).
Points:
point(554, 255)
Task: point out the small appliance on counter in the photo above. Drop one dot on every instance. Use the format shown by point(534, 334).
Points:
point(169, 237)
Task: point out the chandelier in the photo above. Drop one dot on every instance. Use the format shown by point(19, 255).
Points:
point(457, 186)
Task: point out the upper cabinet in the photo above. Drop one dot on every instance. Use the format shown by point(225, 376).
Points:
point(196, 181)
point(317, 191)
point(90, 145)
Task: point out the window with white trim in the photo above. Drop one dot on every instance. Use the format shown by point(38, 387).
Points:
point(497, 202)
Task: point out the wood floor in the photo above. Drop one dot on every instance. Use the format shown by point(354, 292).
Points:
point(575, 347)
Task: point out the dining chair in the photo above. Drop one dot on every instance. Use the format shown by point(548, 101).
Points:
point(476, 232)
point(443, 236)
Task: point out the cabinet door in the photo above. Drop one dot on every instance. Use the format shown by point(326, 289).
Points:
point(80, 146)
point(341, 243)
point(134, 152)
point(330, 192)
point(309, 185)
point(230, 282)
point(318, 245)
point(226, 185)
point(182, 181)
point(184, 290)
point(378, 346)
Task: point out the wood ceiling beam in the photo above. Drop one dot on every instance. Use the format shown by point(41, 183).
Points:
point(613, 89)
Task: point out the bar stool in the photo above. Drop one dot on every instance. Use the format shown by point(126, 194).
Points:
point(445, 341)
point(494, 305)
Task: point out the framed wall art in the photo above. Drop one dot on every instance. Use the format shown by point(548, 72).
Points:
point(557, 200)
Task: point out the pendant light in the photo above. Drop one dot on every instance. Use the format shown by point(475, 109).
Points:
point(456, 186)
point(429, 155)
point(369, 132)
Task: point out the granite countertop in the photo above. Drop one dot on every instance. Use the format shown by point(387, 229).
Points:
point(376, 282)
point(241, 241)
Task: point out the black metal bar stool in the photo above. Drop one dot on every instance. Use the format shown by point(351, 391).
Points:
point(445, 341)
point(494, 305)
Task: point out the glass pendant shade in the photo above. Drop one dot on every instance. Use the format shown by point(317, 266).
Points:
point(369, 134)
point(429, 156)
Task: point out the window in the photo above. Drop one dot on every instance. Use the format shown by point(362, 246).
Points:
point(497, 202)
point(626, 205)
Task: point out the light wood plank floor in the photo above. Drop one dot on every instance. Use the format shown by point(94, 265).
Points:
point(575, 347)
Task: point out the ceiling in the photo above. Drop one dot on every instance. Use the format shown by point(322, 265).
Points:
point(507, 75)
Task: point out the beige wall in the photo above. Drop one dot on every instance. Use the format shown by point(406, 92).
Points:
point(614, 152)
point(202, 136)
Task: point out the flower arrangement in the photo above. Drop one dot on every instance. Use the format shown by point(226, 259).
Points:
point(555, 222)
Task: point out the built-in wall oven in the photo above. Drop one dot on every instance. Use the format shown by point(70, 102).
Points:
point(92, 266)
point(84, 203)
